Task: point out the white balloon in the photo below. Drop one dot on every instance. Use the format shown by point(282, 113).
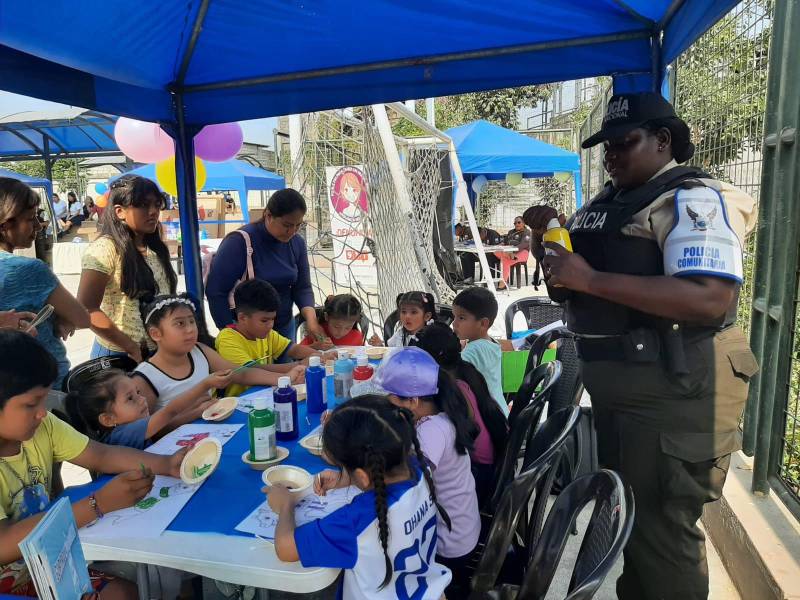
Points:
point(513, 178)
point(479, 184)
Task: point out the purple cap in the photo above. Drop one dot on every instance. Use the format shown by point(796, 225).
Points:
point(409, 373)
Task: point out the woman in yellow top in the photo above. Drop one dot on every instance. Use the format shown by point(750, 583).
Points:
point(129, 262)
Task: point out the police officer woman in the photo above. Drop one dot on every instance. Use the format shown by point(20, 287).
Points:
point(651, 292)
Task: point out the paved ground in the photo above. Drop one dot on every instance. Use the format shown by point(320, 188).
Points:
point(79, 347)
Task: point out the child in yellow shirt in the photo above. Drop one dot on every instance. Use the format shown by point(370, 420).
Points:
point(252, 336)
point(32, 439)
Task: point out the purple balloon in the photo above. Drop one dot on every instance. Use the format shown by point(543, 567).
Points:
point(218, 143)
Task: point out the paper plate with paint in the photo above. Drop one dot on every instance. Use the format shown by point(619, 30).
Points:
point(221, 409)
point(299, 481)
point(201, 461)
point(312, 443)
point(376, 352)
point(260, 465)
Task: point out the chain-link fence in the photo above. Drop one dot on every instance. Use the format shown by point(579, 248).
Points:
point(720, 91)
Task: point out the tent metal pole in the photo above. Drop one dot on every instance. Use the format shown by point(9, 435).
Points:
point(48, 173)
point(187, 199)
point(420, 61)
point(196, 29)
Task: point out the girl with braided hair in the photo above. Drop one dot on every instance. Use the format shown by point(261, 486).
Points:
point(447, 434)
point(385, 539)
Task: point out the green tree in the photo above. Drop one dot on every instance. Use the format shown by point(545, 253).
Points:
point(721, 87)
point(496, 106)
point(68, 173)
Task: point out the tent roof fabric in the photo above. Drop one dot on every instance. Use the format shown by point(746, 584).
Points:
point(230, 60)
point(39, 182)
point(232, 175)
point(71, 132)
point(494, 151)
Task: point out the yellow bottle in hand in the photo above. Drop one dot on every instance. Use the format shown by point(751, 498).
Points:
point(557, 234)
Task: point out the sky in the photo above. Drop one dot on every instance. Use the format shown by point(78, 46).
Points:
point(258, 131)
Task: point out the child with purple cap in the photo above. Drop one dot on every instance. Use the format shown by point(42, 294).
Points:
point(413, 380)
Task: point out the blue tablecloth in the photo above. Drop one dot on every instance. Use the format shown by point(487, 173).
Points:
point(233, 491)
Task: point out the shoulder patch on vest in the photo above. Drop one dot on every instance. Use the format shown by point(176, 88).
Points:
point(701, 241)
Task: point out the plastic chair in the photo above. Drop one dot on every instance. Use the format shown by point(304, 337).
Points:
point(300, 329)
point(516, 274)
point(444, 314)
point(523, 423)
point(543, 378)
point(606, 535)
point(512, 511)
point(538, 312)
point(85, 371)
point(569, 388)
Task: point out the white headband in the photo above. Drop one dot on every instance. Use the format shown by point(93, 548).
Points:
point(166, 302)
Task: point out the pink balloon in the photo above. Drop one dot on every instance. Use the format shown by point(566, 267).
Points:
point(218, 143)
point(143, 142)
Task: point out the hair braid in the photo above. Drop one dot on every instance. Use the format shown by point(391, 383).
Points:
point(376, 465)
point(426, 471)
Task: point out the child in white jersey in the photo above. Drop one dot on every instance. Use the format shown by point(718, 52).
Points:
point(385, 539)
point(414, 381)
point(181, 363)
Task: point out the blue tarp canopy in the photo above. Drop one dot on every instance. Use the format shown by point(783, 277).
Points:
point(187, 63)
point(70, 133)
point(493, 151)
point(237, 59)
point(232, 175)
point(34, 182)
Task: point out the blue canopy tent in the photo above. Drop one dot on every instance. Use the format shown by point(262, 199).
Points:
point(232, 175)
point(174, 61)
point(34, 182)
point(493, 151)
point(53, 135)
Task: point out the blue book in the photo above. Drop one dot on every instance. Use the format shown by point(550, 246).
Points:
point(53, 554)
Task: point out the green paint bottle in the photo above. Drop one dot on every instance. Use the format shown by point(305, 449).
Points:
point(261, 427)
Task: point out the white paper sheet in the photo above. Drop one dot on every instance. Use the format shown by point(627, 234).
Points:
point(262, 521)
point(149, 517)
point(153, 514)
point(191, 433)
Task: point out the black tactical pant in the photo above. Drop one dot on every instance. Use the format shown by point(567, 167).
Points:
point(670, 438)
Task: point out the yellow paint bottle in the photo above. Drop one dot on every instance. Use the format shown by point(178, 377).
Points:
point(557, 234)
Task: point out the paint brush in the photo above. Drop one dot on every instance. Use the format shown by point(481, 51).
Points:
point(144, 469)
point(250, 363)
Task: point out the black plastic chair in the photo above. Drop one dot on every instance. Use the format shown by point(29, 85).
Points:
point(523, 424)
point(510, 523)
point(543, 378)
point(606, 535)
point(444, 314)
point(569, 388)
point(539, 311)
point(515, 275)
point(300, 329)
point(82, 373)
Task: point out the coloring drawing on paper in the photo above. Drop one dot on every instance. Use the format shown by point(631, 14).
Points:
point(190, 434)
point(262, 521)
point(150, 516)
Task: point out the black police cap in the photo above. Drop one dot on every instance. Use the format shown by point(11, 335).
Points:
point(626, 112)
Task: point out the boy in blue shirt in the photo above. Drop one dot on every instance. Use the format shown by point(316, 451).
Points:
point(474, 311)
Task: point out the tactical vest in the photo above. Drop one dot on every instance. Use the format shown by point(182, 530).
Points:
point(596, 233)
